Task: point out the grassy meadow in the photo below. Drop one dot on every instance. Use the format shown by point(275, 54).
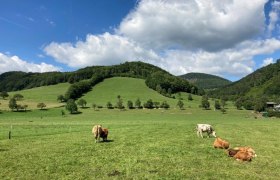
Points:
point(143, 144)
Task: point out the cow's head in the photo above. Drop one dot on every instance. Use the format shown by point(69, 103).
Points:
point(214, 133)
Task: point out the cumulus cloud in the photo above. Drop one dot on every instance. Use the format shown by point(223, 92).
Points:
point(267, 61)
point(237, 61)
point(179, 36)
point(195, 24)
point(273, 16)
point(14, 63)
point(105, 49)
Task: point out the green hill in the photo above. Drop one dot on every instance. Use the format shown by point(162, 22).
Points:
point(103, 92)
point(262, 82)
point(205, 81)
point(84, 79)
point(45, 94)
point(128, 89)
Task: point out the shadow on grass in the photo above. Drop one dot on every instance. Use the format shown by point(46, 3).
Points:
point(75, 113)
point(43, 109)
point(107, 141)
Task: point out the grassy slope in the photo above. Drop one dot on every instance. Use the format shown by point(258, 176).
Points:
point(128, 89)
point(45, 94)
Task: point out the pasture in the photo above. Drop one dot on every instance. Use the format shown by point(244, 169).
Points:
point(144, 144)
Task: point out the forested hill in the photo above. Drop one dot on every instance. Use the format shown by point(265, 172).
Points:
point(262, 82)
point(83, 79)
point(205, 81)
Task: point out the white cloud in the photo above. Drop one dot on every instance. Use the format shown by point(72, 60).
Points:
point(202, 24)
point(273, 16)
point(105, 49)
point(14, 63)
point(179, 36)
point(267, 61)
point(236, 61)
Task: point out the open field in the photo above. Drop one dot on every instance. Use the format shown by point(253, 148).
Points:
point(145, 144)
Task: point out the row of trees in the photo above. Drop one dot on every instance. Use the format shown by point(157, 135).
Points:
point(72, 106)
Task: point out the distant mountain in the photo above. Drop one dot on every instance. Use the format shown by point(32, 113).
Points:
point(263, 82)
point(206, 81)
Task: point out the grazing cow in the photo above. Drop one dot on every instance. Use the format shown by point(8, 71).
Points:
point(99, 132)
point(200, 128)
point(220, 143)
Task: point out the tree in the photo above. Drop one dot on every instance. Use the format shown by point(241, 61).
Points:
point(109, 105)
point(18, 97)
point(82, 103)
point(12, 104)
point(164, 105)
point(41, 105)
point(149, 104)
point(71, 106)
point(180, 104)
point(169, 92)
point(61, 98)
point(238, 103)
point(94, 106)
point(4, 94)
point(217, 104)
point(158, 88)
point(260, 104)
point(129, 104)
point(204, 102)
point(138, 103)
point(223, 102)
point(190, 98)
point(119, 104)
point(156, 105)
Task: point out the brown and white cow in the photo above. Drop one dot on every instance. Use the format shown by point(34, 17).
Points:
point(99, 132)
point(200, 128)
point(220, 143)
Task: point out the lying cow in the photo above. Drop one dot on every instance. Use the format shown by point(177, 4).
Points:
point(200, 128)
point(99, 132)
point(220, 143)
point(242, 153)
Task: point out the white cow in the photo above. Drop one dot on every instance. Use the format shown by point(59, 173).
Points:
point(200, 128)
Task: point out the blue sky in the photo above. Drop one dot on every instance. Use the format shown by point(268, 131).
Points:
point(226, 38)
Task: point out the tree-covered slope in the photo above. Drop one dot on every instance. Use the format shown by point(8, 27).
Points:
point(205, 81)
point(262, 82)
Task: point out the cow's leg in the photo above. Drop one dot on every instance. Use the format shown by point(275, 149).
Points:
point(208, 134)
point(201, 134)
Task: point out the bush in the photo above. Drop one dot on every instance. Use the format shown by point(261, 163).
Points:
point(273, 114)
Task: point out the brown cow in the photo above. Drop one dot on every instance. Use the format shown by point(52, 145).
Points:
point(220, 143)
point(99, 132)
point(242, 153)
point(247, 149)
point(243, 156)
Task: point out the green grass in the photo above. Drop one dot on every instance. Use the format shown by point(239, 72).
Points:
point(45, 94)
point(144, 144)
point(130, 89)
